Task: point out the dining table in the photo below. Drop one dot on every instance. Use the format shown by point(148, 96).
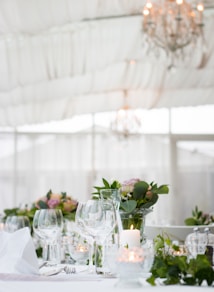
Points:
point(83, 281)
point(21, 270)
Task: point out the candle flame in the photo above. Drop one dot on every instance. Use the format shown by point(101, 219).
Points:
point(132, 227)
point(145, 12)
point(132, 257)
point(179, 2)
point(149, 5)
point(200, 7)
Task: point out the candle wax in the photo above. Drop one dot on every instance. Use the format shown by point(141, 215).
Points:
point(130, 238)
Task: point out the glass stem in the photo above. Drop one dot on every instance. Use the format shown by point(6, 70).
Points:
point(91, 255)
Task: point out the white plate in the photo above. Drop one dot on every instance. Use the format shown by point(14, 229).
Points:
point(174, 232)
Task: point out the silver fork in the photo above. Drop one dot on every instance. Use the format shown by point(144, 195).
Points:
point(69, 270)
point(66, 269)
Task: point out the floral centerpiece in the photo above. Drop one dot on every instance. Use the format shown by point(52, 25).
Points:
point(50, 201)
point(136, 200)
point(135, 194)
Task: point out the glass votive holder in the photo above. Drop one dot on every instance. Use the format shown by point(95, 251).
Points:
point(78, 248)
point(132, 263)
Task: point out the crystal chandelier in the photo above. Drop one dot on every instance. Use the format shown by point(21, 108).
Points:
point(126, 121)
point(173, 26)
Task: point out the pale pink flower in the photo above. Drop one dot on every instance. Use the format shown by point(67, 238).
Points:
point(52, 203)
point(69, 205)
point(128, 185)
point(56, 196)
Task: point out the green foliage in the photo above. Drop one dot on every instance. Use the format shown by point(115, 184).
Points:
point(175, 269)
point(128, 206)
point(199, 218)
point(135, 195)
point(139, 189)
point(115, 185)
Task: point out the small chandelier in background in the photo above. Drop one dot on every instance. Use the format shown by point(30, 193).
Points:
point(126, 121)
point(174, 26)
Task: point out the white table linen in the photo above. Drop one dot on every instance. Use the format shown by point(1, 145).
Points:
point(104, 285)
point(17, 253)
point(81, 281)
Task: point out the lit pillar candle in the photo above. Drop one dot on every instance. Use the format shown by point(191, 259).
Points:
point(200, 8)
point(130, 238)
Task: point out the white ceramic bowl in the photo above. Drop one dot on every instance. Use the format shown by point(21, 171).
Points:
point(175, 232)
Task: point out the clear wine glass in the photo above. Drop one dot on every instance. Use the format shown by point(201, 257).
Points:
point(14, 223)
point(106, 237)
point(113, 196)
point(49, 227)
point(78, 247)
point(38, 237)
point(89, 218)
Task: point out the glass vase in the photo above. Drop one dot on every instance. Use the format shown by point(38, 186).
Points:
point(134, 223)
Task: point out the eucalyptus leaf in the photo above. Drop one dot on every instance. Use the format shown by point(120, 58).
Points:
point(128, 206)
point(151, 202)
point(190, 221)
point(140, 189)
point(42, 205)
point(162, 190)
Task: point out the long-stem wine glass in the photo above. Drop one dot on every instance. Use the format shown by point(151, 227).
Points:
point(14, 223)
point(90, 219)
point(113, 196)
point(106, 236)
point(50, 225)
point(38, 237)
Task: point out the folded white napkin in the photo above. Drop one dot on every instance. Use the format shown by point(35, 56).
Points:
point(17, 253)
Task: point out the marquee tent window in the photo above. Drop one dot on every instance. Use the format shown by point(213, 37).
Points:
point(57, 156)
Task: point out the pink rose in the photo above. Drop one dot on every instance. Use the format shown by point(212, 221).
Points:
point(128, 185)
point(69, 205)
point(56, 196)
point(149, 195)
point(52, 203)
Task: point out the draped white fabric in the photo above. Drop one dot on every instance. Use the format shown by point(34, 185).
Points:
point(76, 162)
point(58, 60)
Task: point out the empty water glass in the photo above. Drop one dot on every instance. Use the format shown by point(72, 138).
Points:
point(14, 223)
point(49, 225)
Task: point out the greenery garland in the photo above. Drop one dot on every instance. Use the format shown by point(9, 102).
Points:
point(179, 269)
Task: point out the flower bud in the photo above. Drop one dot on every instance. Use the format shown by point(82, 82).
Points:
point(149, 195)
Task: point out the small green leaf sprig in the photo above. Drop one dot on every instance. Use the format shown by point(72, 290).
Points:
point(199, 218)
point(178, 269)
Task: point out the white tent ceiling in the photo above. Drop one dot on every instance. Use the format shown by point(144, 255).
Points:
point(59, 58)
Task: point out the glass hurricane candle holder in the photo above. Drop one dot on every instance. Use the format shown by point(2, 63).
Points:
point(132, 263)
point(77, 247)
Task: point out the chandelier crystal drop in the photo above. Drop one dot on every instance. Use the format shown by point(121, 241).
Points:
point(173, 26)
point(126, 121)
